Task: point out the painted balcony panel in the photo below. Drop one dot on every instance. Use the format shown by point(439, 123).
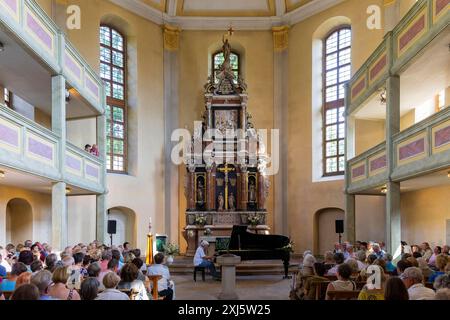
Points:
point(26, 146)
point(82, 169)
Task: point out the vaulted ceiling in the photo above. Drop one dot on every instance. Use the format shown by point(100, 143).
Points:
point(220, 14)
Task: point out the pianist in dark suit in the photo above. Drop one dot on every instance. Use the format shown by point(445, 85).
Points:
point(202, 260)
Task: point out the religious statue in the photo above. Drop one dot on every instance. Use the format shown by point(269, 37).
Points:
point(252, 192)
point(231, 202)
point(220, 201)
point(226, 49)
point(200, 198)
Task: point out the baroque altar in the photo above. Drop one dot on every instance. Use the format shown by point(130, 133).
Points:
point(225, 182)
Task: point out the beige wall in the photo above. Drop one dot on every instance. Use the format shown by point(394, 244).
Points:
point(407, 120)
point(424, 215)
point(41, 212)
point(142, 189)
point(370, 133)
point(305, 197)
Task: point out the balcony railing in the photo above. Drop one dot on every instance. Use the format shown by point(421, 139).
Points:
point(28, 147)
point(40, 35)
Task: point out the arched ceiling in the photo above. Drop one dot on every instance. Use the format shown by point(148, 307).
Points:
point(220, 14)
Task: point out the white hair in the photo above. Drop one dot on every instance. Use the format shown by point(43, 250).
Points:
point(413, 273)
point(204, 243)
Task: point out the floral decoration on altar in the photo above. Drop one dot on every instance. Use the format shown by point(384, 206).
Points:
point(200, 220)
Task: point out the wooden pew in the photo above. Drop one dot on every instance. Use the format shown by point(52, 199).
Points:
point(343, 295)
point(321, 289)
point(154, 279)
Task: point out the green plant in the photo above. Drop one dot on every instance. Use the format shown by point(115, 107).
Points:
point(253, 220)
point(200, 220)
point(171, 249)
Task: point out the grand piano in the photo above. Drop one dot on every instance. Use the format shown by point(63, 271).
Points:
point(250, 246)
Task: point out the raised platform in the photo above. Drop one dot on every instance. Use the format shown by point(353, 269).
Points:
point(184, 265)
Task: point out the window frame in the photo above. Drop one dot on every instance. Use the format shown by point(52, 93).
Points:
point(336, 104)
point(213, 66)
point(114, 102)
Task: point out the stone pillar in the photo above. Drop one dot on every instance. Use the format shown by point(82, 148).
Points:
point(59, 216)
point(280, 106)
point(228, 263)
point(393, 225)
point(171, 122)
point(350, 218)
point(101, 216)
point(59, 201)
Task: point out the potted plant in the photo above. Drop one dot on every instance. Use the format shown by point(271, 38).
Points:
point(171, 250)
point(200, 220)
point(253, 220)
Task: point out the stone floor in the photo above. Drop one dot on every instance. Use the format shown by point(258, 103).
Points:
point(260, 287)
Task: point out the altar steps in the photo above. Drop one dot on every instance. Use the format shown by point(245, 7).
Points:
point(256, 267)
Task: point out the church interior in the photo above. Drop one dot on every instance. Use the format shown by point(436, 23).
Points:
point(301, 128)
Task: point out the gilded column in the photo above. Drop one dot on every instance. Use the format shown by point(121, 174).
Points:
point(244, 187)
point(191, 188)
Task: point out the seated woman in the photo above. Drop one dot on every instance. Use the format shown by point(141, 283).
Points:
point(16, 270)
point(59, 289)
point(374, 291)
point(110, 281)
point(26, 292)
point(129, 276)
point(329, 260)
point(313, 283)
point(395, 290)
point(89, 289)
point(343, 283)
point(441, 263)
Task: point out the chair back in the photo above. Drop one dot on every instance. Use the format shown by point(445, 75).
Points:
point(321, 289)
point(343, 295)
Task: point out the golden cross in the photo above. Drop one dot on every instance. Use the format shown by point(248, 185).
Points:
point(225, 170)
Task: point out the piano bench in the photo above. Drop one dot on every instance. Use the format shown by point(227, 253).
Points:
point(202, 270)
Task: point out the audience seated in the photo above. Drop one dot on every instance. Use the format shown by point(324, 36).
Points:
point(343, 283)
point(374, 291)
point(110, 282)
point(129, 280)
point(89, 289)
point(59, 288)
point(329, 260)
point(24, 278)
point(9, 284)
point(338, 260)
point(42, 280)
point(26, 292)
point(426, 270)
point(165, 288)
point(441, 263)
point(413, 279)
point(395, 290)
point(313, 283)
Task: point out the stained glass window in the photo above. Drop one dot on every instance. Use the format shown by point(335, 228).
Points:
point(336, 72)
point(218, 60)
point(113, 68)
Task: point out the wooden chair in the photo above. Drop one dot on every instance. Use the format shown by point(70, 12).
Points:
point(202, 270)
point(343, 295)
point(321, 289)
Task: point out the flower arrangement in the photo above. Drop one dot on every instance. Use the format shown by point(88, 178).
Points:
point(289, 247)
point(253, 220)
point(171, 249)
point(200, 220)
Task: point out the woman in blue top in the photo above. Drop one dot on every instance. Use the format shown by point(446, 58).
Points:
point(10, 284)
point(441, 262)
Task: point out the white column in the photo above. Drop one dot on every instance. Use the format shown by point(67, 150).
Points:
point(59, 201)
point(393, 222)
point(59, 216)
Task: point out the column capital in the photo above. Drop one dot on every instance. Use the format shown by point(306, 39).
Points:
point(280, 38)
point(171, 37)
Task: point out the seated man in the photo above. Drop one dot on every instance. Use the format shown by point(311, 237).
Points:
point(202, 260)
point(164, 286)
point(413, 279)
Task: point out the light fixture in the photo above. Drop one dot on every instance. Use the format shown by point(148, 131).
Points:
point(67, 95)
point(384, 190)
point(383, 95)
point(2, 174)
point(2, 47)
point(68, 190)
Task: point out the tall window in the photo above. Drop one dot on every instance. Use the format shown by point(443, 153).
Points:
point(218, 59)
point(8, 98)
point(336, 71)
point(113, 68)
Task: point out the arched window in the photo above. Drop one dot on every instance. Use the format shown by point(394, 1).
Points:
point(217, 61)
point(336, 71)
point(113, 70)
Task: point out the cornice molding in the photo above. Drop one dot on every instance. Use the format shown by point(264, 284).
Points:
point(221, 23)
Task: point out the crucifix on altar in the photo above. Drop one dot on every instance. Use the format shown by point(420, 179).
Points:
point(229, 203)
